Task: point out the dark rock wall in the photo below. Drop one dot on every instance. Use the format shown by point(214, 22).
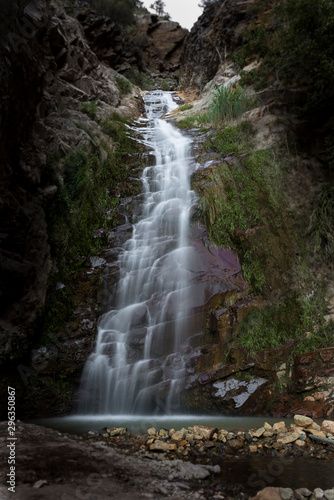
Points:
point(25, 256)
point(151, 46)
point(47, 72)
point(211, 40)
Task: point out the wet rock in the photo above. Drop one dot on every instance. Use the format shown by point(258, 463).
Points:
point(329, 494)
point(97, 261)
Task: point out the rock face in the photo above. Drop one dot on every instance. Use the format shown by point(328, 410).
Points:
point(153, 46)
point(213, 36)
point(48, 71)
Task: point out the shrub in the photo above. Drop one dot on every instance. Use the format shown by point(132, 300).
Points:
point(139, 79)
point(123, 84)
point(89, 107)
point(228, 103)
point(120, 11)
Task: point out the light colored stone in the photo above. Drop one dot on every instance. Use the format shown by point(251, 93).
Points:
point(299, 430)
point(205, 431)
point(268, 434)
point(163, 433)
point(178, 435)
point(117, 431)
point(257, 432)
point(302, 421)
point(267, 426)
point(252, 448)
point(309, 398)
point(279, 427)
point(300, 443)
point(314, 426)
point(328, 426)
point(316, 433)
point(320, 396)
point(329, 494)
point(289, 437)
point(286, 493)
point(318, 494)
point(162, 446)
point(152, 431)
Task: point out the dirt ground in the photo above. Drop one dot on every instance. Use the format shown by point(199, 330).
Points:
point(50, 465)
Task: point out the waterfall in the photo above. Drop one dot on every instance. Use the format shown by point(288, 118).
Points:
point(138, 361)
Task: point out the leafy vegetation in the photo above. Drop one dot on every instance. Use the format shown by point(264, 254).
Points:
point(84, 210)
point(294, 31)
point(299, 316)
point(241, 195)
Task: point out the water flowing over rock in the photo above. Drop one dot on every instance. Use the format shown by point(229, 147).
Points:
point(170, 277)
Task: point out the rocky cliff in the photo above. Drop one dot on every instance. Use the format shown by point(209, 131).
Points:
point(254, 366)
point(152, 46)
point(48, 72)
point(211, 40)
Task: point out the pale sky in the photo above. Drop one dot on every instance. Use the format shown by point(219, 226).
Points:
point(185, 12)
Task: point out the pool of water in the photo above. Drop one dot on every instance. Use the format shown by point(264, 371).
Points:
point(139, 424)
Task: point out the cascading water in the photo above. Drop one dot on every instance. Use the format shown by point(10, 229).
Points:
point(138, 355)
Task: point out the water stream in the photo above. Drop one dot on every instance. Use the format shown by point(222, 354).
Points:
point(138, 360)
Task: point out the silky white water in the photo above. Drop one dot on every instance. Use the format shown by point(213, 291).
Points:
point(137, 365)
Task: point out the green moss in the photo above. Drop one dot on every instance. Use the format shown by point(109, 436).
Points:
point(185, 107)
point(187, 123)
point(231, 140)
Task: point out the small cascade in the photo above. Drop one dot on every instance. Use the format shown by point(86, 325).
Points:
point(138, 363)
